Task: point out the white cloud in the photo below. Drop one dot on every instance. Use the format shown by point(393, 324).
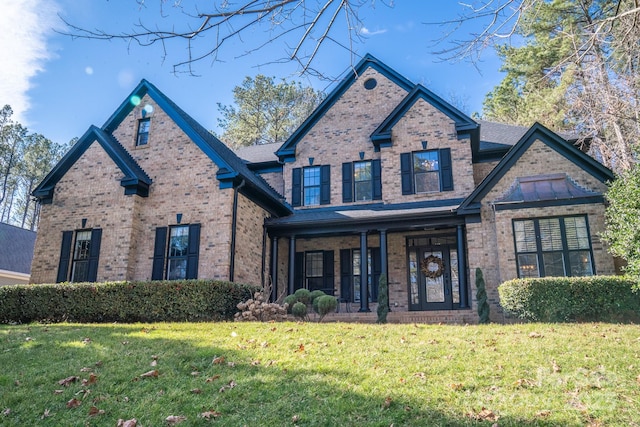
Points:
point(25, 24)
point(88, 70)
point(367, 32)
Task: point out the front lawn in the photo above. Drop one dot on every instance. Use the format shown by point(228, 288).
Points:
point(307, 374)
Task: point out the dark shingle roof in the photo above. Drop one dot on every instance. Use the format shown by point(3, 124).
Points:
point(16, 248)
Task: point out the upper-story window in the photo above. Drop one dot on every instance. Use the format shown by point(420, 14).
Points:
point(553, 247)
point(361, 181)
point(426, 171)
point(143, 132)
point(311, 186)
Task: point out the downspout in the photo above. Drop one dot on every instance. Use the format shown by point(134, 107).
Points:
point(234, 219)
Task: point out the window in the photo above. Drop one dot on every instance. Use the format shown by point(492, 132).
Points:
point(350, 274)
point(426, 171)
point(553, 247)
point(143, 132)
point(361, 181)
point(177, 258)
point(80, 266)
point(79, 255)
point(313, 270)
point(311, 186)
point(176, 252)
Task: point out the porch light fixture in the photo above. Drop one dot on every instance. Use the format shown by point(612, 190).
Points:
point(178, 218)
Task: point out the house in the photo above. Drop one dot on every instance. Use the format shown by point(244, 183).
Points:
point(16, 252)
point(384, 177)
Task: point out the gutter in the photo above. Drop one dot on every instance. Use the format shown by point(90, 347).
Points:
point(232, 254)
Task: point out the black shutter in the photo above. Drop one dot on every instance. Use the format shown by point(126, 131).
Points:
point(327, 266)
point(193, 251)
point(347, 186)
point(376, 270)
point(376, 171)
point(296, 187)
point(298, 271)
point(406, 173)
point(345, 275)
point(65, 256)
point(94, 254)
point(325, 185)
point(446, 170)
point(157, 272)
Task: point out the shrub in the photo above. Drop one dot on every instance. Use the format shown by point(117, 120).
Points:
point(383, 299)
point(303, 296)
point(314, 295)
point(326, 304)
point(299, 310)
point(154, 301)
point(481, 296)
point(289, 301)
point(569, 299)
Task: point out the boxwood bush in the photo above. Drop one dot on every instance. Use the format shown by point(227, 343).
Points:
point(572, 299)
point(153, 301)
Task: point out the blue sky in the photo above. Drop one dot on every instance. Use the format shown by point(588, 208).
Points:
point(59, 86)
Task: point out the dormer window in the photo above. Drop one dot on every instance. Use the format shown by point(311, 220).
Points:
point(143, 132)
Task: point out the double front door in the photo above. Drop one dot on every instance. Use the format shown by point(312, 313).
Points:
point(433, 278)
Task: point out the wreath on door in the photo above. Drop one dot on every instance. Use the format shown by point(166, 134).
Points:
point(432, 267)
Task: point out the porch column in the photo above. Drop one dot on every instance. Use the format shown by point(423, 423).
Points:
point(364, 274)
point(462, 269)
point(292, 262)
point(383, 260)
point(274, 269)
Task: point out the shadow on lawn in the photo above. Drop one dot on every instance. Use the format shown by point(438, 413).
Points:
point(241, 388)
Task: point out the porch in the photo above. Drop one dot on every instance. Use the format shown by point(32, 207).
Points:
point(452, 317)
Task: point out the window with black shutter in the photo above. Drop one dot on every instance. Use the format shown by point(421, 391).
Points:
point(313, 270)
point(361, 181)
point(176, 252)
point(79, 255)
point(311, 186)
point(428, 171)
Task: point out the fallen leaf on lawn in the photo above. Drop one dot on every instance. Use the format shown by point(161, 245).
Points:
point(93, 411)
point(234, 334)
point(231, 364)
point(271, 362)
point(84, 392)
point(175, 419)
point(543, 414)
point(524, 382)
point(99, 363)
point(457, 386)
point(196, 391)
point(58, 391)
point(230, 385)
point(128, 423)
point(74, 403)
point(300, 348)
point(149, 374)
point(264, 344)
point(195, 373)
point(6, 412)
point(295, 418)
point(28, 339)
point(535, 335)
point(154, 356)
point(387, 402)
point(210, 414)
point(420, 375)
point(86, 341)
point(65, 382)
point(555, 367)
point(86, 370)
point(488, 415)
point(154, 362)
point(125, 342)
point(211, 379)
point(402, 340)
point(218, 360)
point(17, 383)
point(638, 379)
point(93, 378)
point(255, 363)
point(407, 408)
point(45, 414)
point(402, 381)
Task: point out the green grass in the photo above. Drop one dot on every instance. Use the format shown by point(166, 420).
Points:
point(309, 374)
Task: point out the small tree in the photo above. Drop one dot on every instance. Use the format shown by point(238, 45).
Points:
point(622, 219)
point(481, 296)
point(325, 305)
point(383, 299)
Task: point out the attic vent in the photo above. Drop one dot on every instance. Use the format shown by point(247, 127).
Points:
point(370, 84)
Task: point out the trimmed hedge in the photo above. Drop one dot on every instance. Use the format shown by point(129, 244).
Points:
point(572, 299)
point(154, 301)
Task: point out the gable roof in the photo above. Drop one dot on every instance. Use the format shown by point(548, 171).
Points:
point(287, 150)
point(552, 140)
point(382, 135)
point(135, 180)
point(16, 248)
point(232, 170)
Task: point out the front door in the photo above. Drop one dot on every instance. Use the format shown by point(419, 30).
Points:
point(433, 278)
